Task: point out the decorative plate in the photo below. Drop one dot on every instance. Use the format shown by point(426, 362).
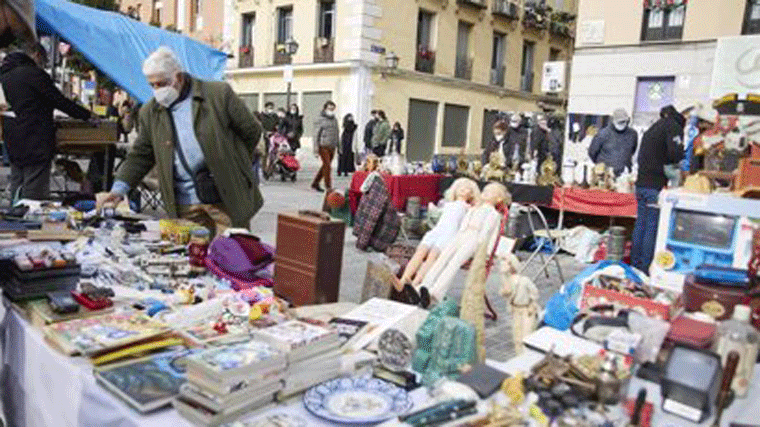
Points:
point(665, 259)
point(357, 400)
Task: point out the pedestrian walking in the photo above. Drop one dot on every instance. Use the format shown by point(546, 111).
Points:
point(346, 157)
point(293, 127)
point(397, 136)
point(325, 143)
point(381, 133)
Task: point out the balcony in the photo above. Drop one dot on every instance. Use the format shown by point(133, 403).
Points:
point(480, 4)
point(497, 76)
point(245, 57)
point(506, 9)
point(280, 55)
point(536, 17)
point(425, 62)
point(463, 69)
point(526, 82)
point(561, 24)
point(324, 50)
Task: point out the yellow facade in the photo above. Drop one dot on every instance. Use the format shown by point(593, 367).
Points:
point(367, 32)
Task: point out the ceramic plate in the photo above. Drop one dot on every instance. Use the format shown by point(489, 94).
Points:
point(357, 400)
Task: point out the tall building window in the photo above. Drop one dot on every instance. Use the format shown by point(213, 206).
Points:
point(425, 61)
point(463, 68)
point(526, 72)
point(497, 59)
point(327, 19)
point(752, 18)
point(196, 15)
point(247, 30)
point(663, 22)
point(284, 24)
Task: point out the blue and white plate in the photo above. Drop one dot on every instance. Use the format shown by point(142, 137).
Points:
point(357, 400)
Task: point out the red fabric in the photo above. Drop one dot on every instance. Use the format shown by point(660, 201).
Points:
point(594, 202)
point(400, 187)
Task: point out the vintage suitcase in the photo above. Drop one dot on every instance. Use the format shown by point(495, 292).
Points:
point(309, 257)
point(719, 301)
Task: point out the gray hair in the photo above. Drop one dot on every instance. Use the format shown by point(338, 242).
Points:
point(163, 62)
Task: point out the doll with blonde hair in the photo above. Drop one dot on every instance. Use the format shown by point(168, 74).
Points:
point(462, 194)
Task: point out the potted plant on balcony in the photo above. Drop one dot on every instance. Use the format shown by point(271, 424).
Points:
point(663, 4)
point(245, 50)
point(536, 16)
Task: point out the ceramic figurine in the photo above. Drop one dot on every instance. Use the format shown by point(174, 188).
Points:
point(494, 170)
point(463, 166)
point(453, 349)
point(473, 299)
point(463, 193)
point(476, 168)
point(426, 333)
point(548, 176)
point(186, 294)
point(522, 297)
point(480, 224)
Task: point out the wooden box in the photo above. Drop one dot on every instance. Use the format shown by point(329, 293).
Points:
point(309, 258)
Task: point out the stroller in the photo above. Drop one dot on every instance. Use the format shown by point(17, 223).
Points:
point(281, 159)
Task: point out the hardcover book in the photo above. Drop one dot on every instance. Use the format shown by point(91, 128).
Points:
point(242, 360)
point(300, 339)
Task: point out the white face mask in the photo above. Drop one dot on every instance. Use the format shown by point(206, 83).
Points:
point(498, 136)
point(620, 126)
point(270, 110)
point(294, 112)
point(329, 113)
point(166, 95)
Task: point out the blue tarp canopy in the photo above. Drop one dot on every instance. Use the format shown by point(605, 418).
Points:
point(117, 45)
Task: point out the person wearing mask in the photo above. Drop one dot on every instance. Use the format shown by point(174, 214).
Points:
point(397, 136)
point(325, 143)
point(661, 144)
point(201, 138)
point(615, 144)
point(539, 139)
point(30, 137)
point(368, 129)
point(381, 132)
point(269, 121)
point(556, 140)
point(293, 129)
point(498, 141)
point(516, 142)
point(346, 148)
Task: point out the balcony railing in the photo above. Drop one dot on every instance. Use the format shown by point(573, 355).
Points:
point(497, 76)
point(280, 56)
point(324, 49)
point(425, 61)
point(463, 69)
point(526, 82)
point(506, 8)
point(245, 57)
point(481, 4)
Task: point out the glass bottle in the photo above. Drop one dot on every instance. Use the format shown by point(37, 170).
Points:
point(737, 334)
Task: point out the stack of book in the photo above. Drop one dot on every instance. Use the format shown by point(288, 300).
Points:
point(226, 382)
point(313, 353)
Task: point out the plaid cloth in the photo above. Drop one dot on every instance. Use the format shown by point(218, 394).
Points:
point(376, 223)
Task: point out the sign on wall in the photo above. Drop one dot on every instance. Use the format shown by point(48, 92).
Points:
point(553, 77)
point(737, 66)
point(591, 32)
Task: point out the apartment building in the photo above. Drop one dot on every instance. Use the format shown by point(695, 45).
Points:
point(442, 68)
point(641, 55)
point(208, 21)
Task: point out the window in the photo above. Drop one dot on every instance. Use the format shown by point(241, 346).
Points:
point(752, 18)
point(196, 16)
point(284, 24)
point(421, 137)
point(497, 59)
point(663, 23)
point(455, 120)
point(326, 19)
point(247, 31)
point(463, 69)
point(652, 93)
point(424, 30)
point(526, 72)
point(555, 54)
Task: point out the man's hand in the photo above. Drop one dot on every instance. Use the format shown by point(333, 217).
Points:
point(103, 200)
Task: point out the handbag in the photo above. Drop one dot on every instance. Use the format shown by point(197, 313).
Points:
point(205, 187)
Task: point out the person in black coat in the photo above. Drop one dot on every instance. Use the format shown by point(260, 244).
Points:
point(661, 144)
point(397, 136)
point(346, 158)
point(539, 139)
point(368, 130)
point(30, 136)
point(293, 127)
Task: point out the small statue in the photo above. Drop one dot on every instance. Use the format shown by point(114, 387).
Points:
point(494, 170)
point(186, 294)
point(522, 296)
point(463, 166)
point(473, 298)
point(548, 176)
point(476, 168)
point(598, 176)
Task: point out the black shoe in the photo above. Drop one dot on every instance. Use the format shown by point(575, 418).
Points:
point(412, 297)
point(424, 297)
point(317, 188)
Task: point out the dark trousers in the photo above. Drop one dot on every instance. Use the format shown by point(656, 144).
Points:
point(33, 180)
point(326, 154)
point(380, 150)
point(645, 230)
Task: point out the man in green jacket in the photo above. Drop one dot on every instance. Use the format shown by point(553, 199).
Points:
point(380, 134)
point(195, 133)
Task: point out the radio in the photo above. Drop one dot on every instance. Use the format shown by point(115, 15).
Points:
point(697, 230)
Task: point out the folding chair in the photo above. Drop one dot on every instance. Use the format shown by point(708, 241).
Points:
point(552, 236)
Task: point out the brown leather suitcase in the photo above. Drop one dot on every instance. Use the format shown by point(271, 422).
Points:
point(309, 258)
point(719, 301)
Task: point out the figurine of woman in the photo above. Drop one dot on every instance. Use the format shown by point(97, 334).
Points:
point(522, 300)
point(462, 194)
point(480, 224)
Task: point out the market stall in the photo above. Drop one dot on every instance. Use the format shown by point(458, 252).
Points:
point(400, 187)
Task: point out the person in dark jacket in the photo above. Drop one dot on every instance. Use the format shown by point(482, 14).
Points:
point(662, 144)
point(369, 130)
point(556, 140)
point(381, 133)
point(498, 141)
point(17, 22)
point(30, 136)
point(269, 122)
point(616, 144)
point(397, 136)
point(293, 127)
point(539, 139)
point(346, 148)
point(513, 145)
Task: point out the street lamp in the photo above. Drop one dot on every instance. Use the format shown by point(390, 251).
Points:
point(391, 61)
point(291, 47)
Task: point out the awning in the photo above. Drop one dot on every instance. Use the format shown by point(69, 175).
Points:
point(117, 45)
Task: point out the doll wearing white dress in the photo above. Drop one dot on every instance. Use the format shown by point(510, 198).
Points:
point(480, 224)
point(460, 197)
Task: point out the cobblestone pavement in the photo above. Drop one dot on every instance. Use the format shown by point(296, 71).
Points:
point(289, 197)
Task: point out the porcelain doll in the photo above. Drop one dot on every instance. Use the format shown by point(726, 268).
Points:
point(481, 224)
point(460, 197)
point(522, 300)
